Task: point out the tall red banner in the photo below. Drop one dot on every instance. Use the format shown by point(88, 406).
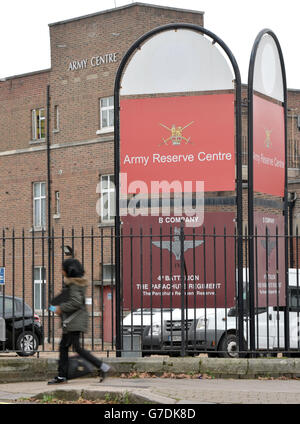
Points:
point(270, 261)
point(178, 139)
point(268, 147)
point(152, 277)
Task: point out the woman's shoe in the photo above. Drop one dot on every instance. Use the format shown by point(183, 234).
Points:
point(58, 380)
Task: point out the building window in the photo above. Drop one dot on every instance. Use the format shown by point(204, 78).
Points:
point(57, 205)
point(56, 118)
point(108, 202)
point(107, 114)
point(39, 205)
point(293, 153)
point(38, 124)
point(108, 273)
point(39, 288)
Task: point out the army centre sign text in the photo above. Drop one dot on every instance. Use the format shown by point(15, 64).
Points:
point(77, 65)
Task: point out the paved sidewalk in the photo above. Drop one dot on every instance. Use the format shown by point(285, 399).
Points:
point(172, 391)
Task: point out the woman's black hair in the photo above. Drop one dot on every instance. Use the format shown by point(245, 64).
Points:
point(73, 268)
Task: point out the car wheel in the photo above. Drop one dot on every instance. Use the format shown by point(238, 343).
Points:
point(228, 346)
point(27, 344)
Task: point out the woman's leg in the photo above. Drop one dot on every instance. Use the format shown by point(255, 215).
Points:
point(64, 345)
point(82, 352)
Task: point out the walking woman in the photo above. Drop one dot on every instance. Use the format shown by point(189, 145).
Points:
point(73, 312)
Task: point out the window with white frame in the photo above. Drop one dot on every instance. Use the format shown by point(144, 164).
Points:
point(107, 114)
point(38, 124)
point(39, 205)
point(108, 202)
point(39, 288)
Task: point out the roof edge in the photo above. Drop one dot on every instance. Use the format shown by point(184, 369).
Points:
point(28, 74)
point(122, 8)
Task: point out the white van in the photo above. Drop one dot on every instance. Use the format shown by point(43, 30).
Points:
point(215, 329)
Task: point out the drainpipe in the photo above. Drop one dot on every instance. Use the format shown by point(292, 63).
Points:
point(291, 205)
point(50, 294)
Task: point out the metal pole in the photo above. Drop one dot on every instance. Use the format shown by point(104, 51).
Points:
point(251, 203)
point(50, 294)
point(182, 275)
point(286, 218)
point(239, 194)
point(117, 219)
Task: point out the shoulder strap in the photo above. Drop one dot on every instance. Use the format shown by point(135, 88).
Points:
point(67, 320)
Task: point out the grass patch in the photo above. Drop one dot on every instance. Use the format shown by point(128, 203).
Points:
point(86, 397)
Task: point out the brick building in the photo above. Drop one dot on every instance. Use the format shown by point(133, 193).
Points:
point(56, 173)
point(50, 171)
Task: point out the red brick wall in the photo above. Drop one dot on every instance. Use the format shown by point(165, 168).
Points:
point(78, 92)
point(18, 97)
point(75, 170)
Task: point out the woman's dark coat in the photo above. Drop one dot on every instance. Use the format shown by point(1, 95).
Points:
point(75, 302)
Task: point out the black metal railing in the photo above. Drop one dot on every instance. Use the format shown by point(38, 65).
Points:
point(179, 291)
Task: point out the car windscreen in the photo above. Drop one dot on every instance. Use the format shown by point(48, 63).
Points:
point(6, 306)
point(16, 308)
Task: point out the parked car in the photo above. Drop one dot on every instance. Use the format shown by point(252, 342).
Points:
point(214, 330)
point(159, 329)
point(23, 328)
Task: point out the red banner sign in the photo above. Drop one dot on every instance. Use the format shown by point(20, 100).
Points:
point(270, 264)
point(152, 278)
point(268, 147)
point(178, 139)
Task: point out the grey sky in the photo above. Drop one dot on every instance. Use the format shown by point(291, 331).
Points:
point(25, 44)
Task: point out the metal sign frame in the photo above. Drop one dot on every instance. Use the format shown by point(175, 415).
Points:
point(251, 184)
point(238, 128)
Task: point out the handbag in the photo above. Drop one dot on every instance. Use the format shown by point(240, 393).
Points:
point(78, 367)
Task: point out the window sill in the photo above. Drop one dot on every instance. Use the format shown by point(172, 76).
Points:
point(106, 224)
point(37, 229)
point(41, 140)
point(104, 283)
point(105, 130)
